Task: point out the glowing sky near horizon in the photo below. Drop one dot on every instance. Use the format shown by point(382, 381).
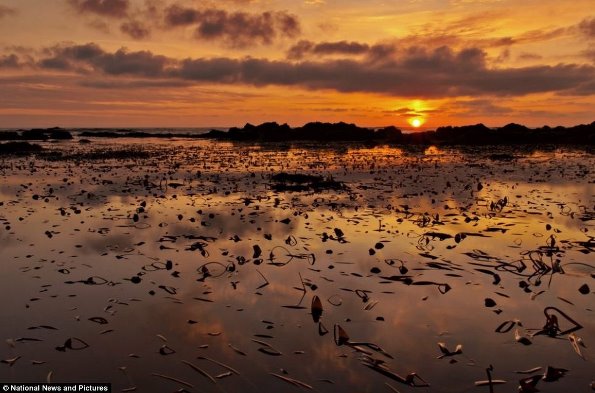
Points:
point(140, 63)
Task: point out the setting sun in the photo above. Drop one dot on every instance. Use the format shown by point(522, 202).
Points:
point(415, 122)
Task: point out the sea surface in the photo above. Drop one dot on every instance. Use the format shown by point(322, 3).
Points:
point(175, 130)
point(191, 265)
point(149, 130)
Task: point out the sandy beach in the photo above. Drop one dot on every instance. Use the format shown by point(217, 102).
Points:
point(205, 266)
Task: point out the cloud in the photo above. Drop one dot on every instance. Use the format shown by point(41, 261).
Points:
point(176, 15)
point(135, 29)
point(90, 57)
point(237, 29)
point(587, 27)
point(438, 38)
point(55, 63)
point(132, 84)
point(432, 39)
point(411, 72)
point(140, 63)
point(409, 112)
point(478, 107)
point(479, 30)
point(416, 72)
point(9, 61)
point(109, 8)
point(376, 52)
point(240, 29)
point(6, 11)
point(304, 47)
point(542, 35)
point(529, 56)
point(503, 56)
point(589, 54)
point(99, 25)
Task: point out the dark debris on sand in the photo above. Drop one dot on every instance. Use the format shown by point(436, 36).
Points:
point(36, 134)
point(284, 181)
point(19, 148)
point(96, 155)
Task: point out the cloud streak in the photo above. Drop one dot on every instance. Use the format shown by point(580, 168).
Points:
point(304, 47)
point(412, 72)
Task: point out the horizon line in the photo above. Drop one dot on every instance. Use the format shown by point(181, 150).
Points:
point(407, 128)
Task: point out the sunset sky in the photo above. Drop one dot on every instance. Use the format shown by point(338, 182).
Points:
point(156, 63)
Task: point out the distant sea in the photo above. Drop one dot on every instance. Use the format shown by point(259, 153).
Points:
point(173, 130)
point(150, 130)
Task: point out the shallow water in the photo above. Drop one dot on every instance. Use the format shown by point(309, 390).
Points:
point(91, 238)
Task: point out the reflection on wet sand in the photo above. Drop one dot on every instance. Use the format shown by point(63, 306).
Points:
point(191, 266)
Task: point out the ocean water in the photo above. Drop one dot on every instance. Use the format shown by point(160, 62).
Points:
point(151, 130)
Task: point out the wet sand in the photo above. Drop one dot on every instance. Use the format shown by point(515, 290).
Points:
point(186, 264)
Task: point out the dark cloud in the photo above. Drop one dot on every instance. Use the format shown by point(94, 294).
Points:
point(287, 24)
point(237, 29)
point(586, 89)
point(9, 61)
point(135, 29)
point(110, 8)
point(341, 47)
point(380, 52)
point(234, 28)
point(441, 61)
point(409, 112)
point(411, 72)
point(141, 63)
point(416, 72)
point(240, 29)
point(304, 47)
point(55, 63)
point(176, 15)
point(79, 52)
point(90, 57)
point(6, 11)
point(376, 52)
point(403, 111)
point(587, 27)
point(299, 50)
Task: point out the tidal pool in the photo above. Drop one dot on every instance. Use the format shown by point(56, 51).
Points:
point(182, 265)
